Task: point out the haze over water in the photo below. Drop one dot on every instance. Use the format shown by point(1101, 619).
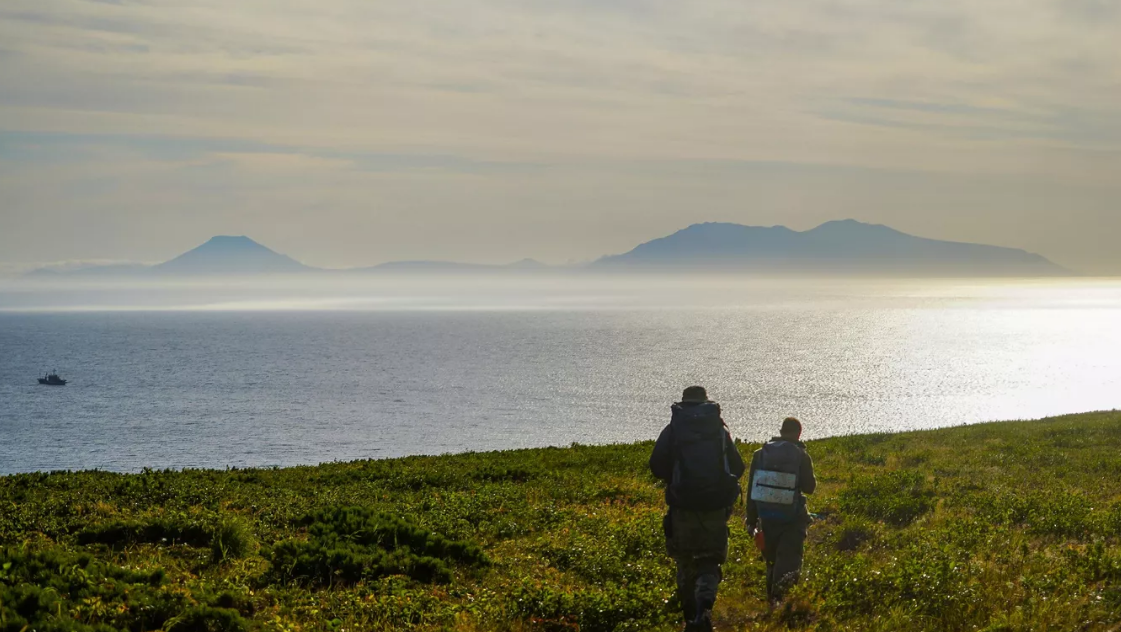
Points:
point(208, 378)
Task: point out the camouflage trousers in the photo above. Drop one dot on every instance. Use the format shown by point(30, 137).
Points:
point(698, 542)
point(783, 550)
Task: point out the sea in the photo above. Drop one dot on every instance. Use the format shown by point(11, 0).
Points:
point(255, 378)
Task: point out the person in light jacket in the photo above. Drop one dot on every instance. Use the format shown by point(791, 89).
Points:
point(782, 474)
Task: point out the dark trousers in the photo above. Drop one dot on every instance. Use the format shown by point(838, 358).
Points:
point(783, 548)
point(698, 542)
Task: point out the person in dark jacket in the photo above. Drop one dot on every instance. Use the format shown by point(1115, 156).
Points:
point(699, 462)
point(782, 473)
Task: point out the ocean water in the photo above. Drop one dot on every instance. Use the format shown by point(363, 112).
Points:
point(214, 387)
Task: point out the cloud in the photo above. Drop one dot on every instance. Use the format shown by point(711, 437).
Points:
point(13, 270)
point(556, 117)
point(1093, 13)
point(30, 147)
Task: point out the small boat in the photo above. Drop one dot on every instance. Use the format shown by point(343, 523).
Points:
point(52, 379)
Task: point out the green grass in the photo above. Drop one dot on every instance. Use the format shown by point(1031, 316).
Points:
point(1007, 526)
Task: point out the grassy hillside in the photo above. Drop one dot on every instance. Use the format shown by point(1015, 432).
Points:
point(1008, 526)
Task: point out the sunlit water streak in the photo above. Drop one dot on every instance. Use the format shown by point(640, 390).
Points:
point(389, 375)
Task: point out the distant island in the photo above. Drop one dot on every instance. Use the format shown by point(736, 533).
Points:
point(846, 246)
point(839, 247)
point(241, 256)
point(221, 255)
point(226, 254)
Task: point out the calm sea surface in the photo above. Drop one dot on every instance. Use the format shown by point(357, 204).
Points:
point(217, 388)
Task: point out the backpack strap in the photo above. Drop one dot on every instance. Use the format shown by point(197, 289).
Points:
point(724, 451)
point(728, 465)
point(675, 450)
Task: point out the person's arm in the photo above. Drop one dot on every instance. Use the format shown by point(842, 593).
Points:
point(806, 480)
point(752, 515)
point(661, 459)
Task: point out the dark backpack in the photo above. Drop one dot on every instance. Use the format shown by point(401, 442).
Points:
point(702, 478)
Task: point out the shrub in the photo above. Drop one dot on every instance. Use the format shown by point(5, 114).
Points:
point(852, 536)
point(365, 527)
point(340, 562)
point(927, 579)
point(897, 497)
point(1053, 512)
point(601, 550)
point(609, 608)
point(351, 544)
point(117, 533)
point(1110, 521)
point(231, 539)
point(61, 592)
point(1095, 562)
point(208, 619)
point(228, 537)
point(496, 473)
point(915, 459)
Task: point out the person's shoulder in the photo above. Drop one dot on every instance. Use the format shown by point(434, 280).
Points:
point(767, 446)
point(708, 408)
point(805, 453)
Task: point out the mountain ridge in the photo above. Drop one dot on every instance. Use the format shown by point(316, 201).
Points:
point(841, 246)
point(224, 254)
point(834, 247)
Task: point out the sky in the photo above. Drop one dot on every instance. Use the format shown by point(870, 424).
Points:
point(351, 132)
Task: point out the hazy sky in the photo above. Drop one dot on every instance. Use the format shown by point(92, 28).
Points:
point(348, 132)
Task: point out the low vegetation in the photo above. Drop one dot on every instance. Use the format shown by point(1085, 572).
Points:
point(1008, 526)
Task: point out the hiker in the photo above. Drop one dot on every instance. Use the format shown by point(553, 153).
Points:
point(701, 466)
point(781, 473)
